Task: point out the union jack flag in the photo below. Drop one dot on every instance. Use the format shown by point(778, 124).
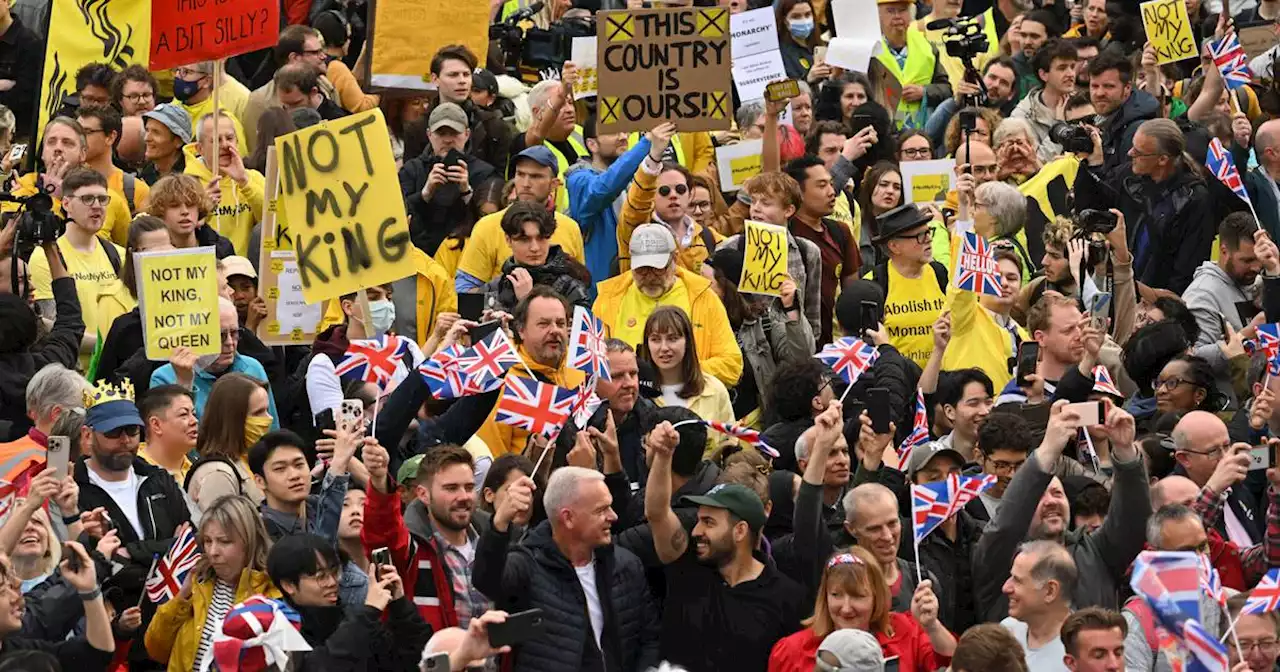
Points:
point(373, 360)
point(1169, 581)
point(485, 363)
point(443, 374)
point(849, 357)
point(1232, 61)
point(933, 503)
point(1102, 382)
point(1220, 163)
point(534, 406)
point(977, 266)
point(1208, 654)
point(585, 403)
point(744, 434)
point(919, 432)
point(586, 344)
point(1265, 596)
point(1211, 581)
point(171, 571)
point(1269, 342)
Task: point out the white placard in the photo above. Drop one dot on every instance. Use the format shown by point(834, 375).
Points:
point(584, 56)
point(753, 32)
point(292, 310)
point(751, 75)
point(934, 177)
point(739, 162)
point(857, 28)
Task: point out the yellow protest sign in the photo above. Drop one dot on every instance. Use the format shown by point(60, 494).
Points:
point(765, 264)
point(1169, 30)
point(404, 35)
point(739, 162)
point(179, 301)
point(338, 187)
point(927, 181)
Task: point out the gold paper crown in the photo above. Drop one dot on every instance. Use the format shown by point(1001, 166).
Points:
point(104, 392)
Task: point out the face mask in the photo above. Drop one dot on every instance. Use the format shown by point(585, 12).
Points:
point(255, 426)
point(800, 29)
point(382, 313)
point(184, 90)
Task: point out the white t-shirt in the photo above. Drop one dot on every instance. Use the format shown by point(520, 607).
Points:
point(125, 495)
point(671, 396)
point(587, 577)
point(1047, 658)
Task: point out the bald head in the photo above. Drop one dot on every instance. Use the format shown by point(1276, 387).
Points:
point(1174, 490)
point(1267, 144)
point(866, 496)
point(981, 151)
point(1199, 440)
point(447, 640)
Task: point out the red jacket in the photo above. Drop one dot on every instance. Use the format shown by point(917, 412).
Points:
point(798, 652)
point(425, 576)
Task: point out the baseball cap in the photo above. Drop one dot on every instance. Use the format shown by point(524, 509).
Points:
point(729, 260)
point(450, 115)
point(922, 455)
point(542, 156)
point(409, 469)
point(235, 265)
point(483, 80)
point(737, 499)
point(850, 650)
point(651, 246)
point(174, 118)
point(104, 417)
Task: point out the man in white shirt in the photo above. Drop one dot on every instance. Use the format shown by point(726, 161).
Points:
point(1039, 589)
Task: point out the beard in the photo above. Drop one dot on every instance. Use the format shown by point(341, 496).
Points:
point(719, 551)
point(111, 461)
point(444, 517)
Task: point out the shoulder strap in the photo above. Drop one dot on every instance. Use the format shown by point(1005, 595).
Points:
point(709, 241)
point(130, 182)
point(940, 272)
point(186, 483)
point(113, 255)
point(838, 232)
point(1146, 619)
point(880, 276)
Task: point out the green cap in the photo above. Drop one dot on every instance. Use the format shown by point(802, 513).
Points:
point(739, 500)
point(409, 470)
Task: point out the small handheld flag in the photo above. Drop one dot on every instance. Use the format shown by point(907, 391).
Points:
point(919, 432)
point(484, 364)
point(976, 267)
point(443, 374)
point(539, 408)
point(373, 360)
point(166, 580)
point(933, 503)
point(849, 357)
point(1102, 382)
point(1232, 61)
point(1219, 162)
point(1265, 596)
point(587, 350)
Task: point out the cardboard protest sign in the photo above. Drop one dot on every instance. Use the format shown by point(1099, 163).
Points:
point(927, 181)
point(665, 65)
point(765, 264)
point(338, 188)
point(1256, 40)
point(178, 301)
point(404, 35)
point(189, 31)
point(1169, 30)
point(739, 162)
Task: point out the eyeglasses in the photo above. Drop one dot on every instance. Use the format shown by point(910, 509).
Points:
point(231, 334)
point(313, 52)
point(131, 430)
point(700, 205)
point(138, 97)
point(917, 152)
point(1213, 453)
point(924, 237)
point(680, 189)
point(1267, 646)
point(1202, 547)
point(185, 73)
point(1171, 384)
point(1005, 467)
point(93, 199)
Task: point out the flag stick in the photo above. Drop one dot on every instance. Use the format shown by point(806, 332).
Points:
point(545, 451)
point(376, 402)
point(846, 393)
point(916, 544)
point(1093, 452)
point(1231, 631)
point(155, 559)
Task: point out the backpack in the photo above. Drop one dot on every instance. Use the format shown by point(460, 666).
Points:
point(192, 507)
point(880, 276)
point(130, 183)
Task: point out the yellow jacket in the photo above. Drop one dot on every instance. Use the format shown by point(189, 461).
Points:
point(718, 350)
point(637, 209)
point(174, 633)
point(977, 340)
point(502, 438)
point(712, 403)
point(241, 206)
point(487, 249)
point(115, 228)
point(350, 96)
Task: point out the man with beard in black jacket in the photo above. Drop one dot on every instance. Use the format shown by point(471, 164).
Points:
point(438, 185)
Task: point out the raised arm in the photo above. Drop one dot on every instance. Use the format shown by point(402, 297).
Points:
point(1123, 532)
point(669, 537)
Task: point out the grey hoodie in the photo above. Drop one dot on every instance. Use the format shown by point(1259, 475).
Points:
point(1033, 109)
point(1212, 293)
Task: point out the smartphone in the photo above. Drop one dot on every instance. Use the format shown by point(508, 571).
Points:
point(59, 454)
point(891, 664)
point(16, 153)
point(471, 306)
point(819, 54)
point(453, 158)
point(1100, 304)
point(324, 420)
point(1028, 357)
point(878, 409)
point(778, 92)
point(482, 331)
point(1260, 458)
point(869, 315)
point(1222, 326)
point(380, 556)
point(73, 558)
point(350, 413)
point(1091, 412)
point(519, 627)
point(438, 662)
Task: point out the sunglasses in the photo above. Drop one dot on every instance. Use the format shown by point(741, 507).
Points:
point(665, 191)
point(131, 430)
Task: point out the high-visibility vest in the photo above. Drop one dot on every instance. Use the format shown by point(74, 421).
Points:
point(918, 71)
point(508, 8)
point(580, 146)
point(676, 146)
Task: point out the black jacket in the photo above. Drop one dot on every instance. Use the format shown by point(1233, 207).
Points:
point(21, 56)
point(1119, 129)
point(554, 273)
point(536, 574)
point(60, 346)
point(431, 221)
point(1171, 224)
point(952, 563)
point(491, 135)
point(362, 640)
point(206, 236)
point(123, 340)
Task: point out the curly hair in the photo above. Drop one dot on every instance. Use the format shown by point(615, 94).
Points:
point(953, 138)
point(1058, 232)
point(176, 191)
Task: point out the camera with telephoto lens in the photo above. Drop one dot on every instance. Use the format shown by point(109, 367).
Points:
point(534, 48)
point(37, 223)
point(1090, 221)
point(1073, 138)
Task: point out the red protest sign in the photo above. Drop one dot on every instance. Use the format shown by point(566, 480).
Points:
point(189, 31)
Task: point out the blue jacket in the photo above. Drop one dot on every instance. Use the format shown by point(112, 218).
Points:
point(202, 382)
point(594, 205)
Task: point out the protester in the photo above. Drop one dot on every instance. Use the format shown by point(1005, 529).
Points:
point(670, 346)
point(185, 206)
point(237, 193)
point(167, 129)
point(534, 261)
point(172, 430)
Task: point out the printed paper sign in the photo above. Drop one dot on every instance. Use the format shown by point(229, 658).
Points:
point(927, 181)
point(189, 31)
point(293, 314)
point(754, 32)
point(1169, 30)
point(752, 74)
point(584, 56)
point(739, 162)
point(404, 35)
point(346, 215)
point(764, 267)
point(857, 34)
point(661, 65)
point(178, 292)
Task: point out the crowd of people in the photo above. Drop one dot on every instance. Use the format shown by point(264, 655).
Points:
point(737, 501)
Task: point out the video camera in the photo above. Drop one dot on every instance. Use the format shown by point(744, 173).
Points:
point(1074, 138)
point(536, 49)
point(965, 39)
point(37, 225)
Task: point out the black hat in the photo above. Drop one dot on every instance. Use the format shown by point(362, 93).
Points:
point(648, 379)
point(900, 219)
point(483, 80)
point(728, 260)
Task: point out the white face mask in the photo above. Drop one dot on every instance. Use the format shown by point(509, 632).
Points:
point(382, 314)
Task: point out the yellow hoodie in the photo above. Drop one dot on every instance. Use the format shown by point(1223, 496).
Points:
point(241, 206)
point(503, 438)
point(174, 633)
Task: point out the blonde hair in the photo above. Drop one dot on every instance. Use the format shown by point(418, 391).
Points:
point(239, 518)
point(175, 191)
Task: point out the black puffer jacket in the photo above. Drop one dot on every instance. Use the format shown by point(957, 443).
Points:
point(536, 574)
point(1118, 130)
point(555, 273)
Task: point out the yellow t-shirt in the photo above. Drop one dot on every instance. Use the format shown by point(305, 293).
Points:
point(637, 306)
point(115, 227)
point(103, 297)
point(487, 248)
point(140, 192)
point(180, 475)
point(449, 254)
point(909, 313)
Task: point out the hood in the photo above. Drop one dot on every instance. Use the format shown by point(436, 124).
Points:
point(1210, 279)
point(1037, 112)
point(581, 164)
point(331, 342)
point(703, 479)
point(195, 166)
point(546, 274)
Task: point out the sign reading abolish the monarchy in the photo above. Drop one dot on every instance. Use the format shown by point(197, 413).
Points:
point(665, 65)
point(339, 189)
point(178, 301)
point(189, 31)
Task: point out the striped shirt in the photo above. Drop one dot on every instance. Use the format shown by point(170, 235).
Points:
point(224, 597)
